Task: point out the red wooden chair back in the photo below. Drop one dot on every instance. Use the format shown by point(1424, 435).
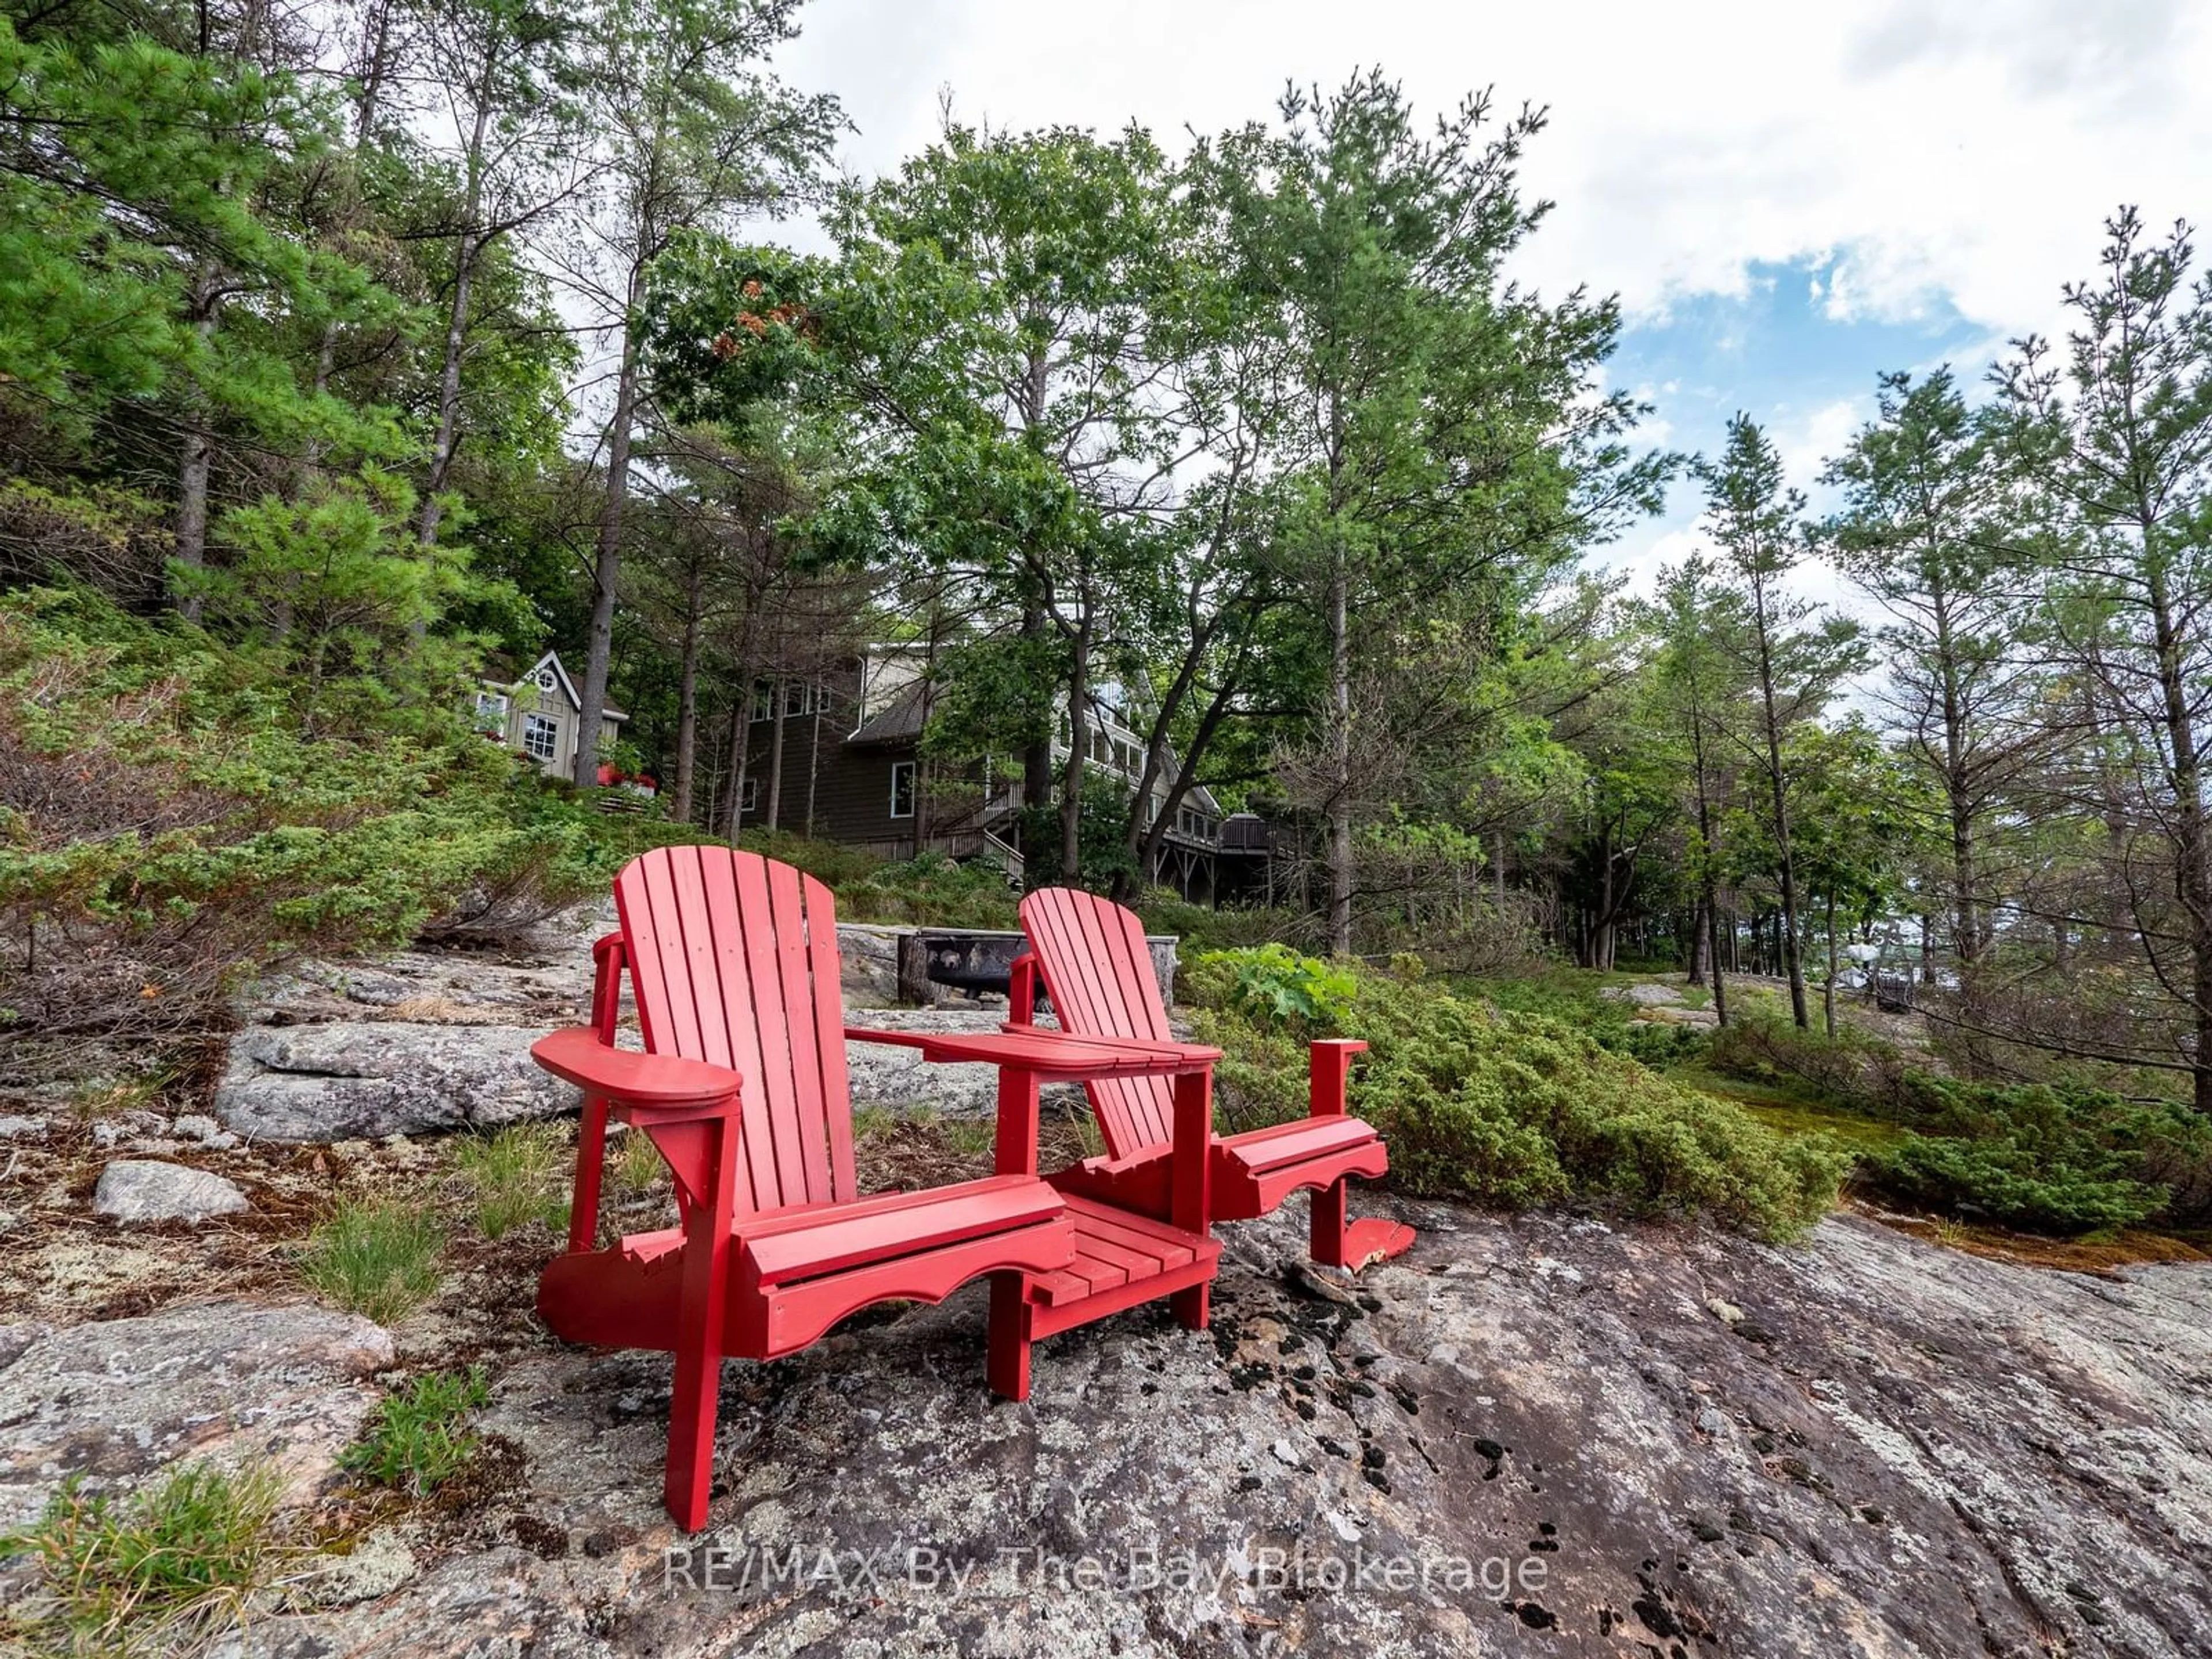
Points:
point(1098, 972)
point(733, 957)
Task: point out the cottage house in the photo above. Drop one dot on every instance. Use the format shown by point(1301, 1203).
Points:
point(540, 715)
point(840, 757)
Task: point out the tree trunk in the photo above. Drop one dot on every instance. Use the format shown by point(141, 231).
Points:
point(1340, 746)
point(1071, 783)
point(1788, 871)
point(773, 814)
point(1036, 757)
point(813, 759)
point(195, 458)
point(466, 249)
point(2192, 849)
point(443, 442)
point(607, 570)
point(1828, 991)
point(741, 745)
point(193, 507)
point(687, 717)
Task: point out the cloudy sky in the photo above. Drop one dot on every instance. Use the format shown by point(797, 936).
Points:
point(1788, 198)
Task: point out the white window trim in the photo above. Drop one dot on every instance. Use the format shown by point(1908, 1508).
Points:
point(531, 725)
point(907, 766)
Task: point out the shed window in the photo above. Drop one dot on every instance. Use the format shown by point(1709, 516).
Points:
point(902, 789)
point(541, 737)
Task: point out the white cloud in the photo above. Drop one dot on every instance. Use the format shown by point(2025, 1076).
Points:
point(1807, 441)
point(1964, 150)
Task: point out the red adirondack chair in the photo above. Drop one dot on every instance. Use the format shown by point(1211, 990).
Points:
point(743, 1089)
point(1098, 972)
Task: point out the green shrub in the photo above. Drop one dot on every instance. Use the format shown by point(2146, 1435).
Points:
point(1659, 1044)
point(1852, 1069)
point(1514, 1109)
point(932, 891)
point(2017, 1185)
point(160, 1572)
point(517, 1176)
point(2062, 1159)
point(177, 827)
point(1202, 928)
point(418, 1438)
point(1274, 982)
point(377, 1259)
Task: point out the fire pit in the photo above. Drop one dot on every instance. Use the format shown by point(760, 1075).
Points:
point(978, 960)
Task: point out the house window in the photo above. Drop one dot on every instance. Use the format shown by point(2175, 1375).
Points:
point(491, 711)
point(763, 701)
point(799, 697)
point(749, 797)
point(541, 737)
point(902, 789)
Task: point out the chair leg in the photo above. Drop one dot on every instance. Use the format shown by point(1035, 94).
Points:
point(1325, 1233)
point(1191, 1307)
point(1008, 1362)
point(591, 1162)
point(707, 1250)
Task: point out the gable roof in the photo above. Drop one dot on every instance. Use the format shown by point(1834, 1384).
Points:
point(897, 721)
point(552, 660)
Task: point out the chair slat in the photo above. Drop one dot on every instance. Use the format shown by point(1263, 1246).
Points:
point(828, 992)
point(734, 961)
point(1098, 972)
point(741, 1033)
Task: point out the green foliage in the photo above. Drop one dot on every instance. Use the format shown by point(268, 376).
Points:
point(2056, 1159)
point(1205, 927)
point(1852, 1069)
point(2019, 1185)
point(2052, 1159)
point(1657, 1043)
point(375, 1258)
point(933, 890)
point(1274, 982)
point(1513, 1109)
point(517, 1176)
point(418, 1438)
point(178, 828)
point(159, 1571)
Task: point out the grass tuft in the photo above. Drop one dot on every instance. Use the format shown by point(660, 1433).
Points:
point(163, 1571)
point(417, 1440)
point(519, 1175)
point(378, 1259)
point(638, 1168)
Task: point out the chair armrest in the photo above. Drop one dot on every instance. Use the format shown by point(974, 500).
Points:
point(1054, 1055)
point(577, 1056)
point(1150, 1046)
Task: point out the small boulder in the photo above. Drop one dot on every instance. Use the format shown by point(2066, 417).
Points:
point(139, 1190)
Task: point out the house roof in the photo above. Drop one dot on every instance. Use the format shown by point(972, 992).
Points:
point(897, 721)
point(552, 660)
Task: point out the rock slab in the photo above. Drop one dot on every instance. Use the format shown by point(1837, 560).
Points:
point(1530, 1437)
point(142, 1190)
point(349, 1080)
point(117, 1402)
